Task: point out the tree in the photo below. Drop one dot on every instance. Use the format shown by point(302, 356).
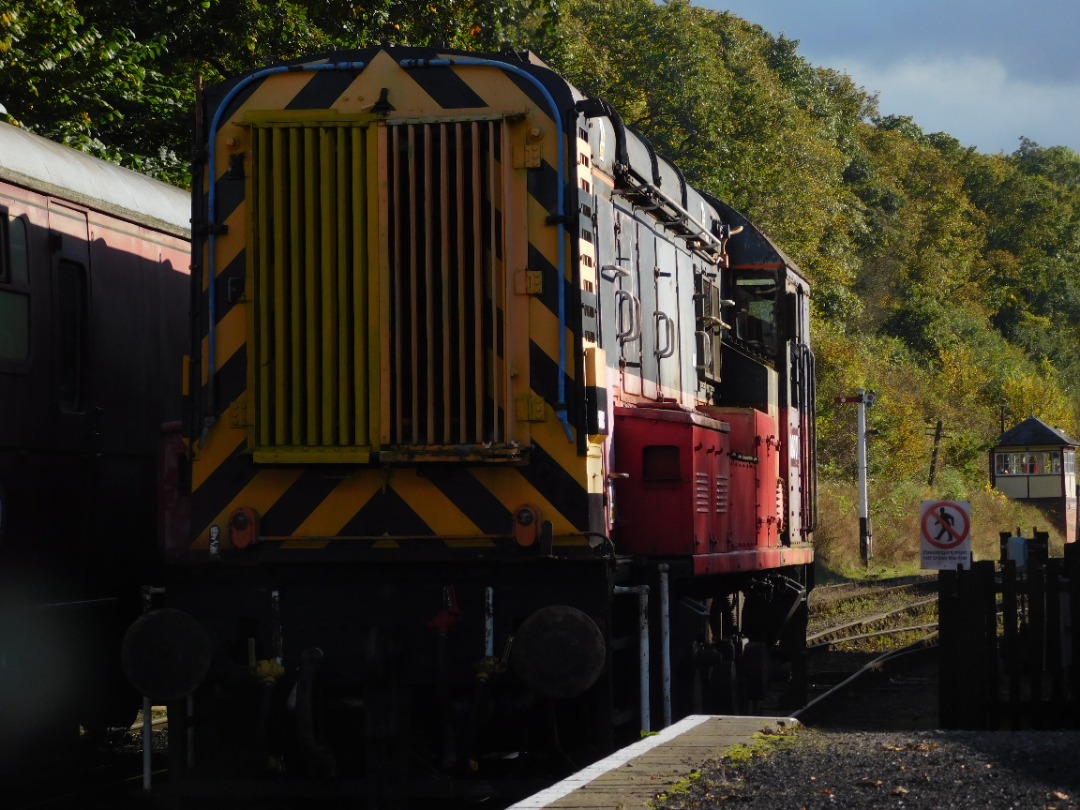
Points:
point(117, 77)
point(947, 280)
point(82, 84)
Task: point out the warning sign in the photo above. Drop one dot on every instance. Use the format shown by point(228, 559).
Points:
point(946, 534)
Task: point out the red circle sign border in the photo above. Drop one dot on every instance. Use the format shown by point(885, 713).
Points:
point(958, 537)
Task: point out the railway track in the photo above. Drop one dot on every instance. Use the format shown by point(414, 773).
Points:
point(862, 629)
point(101, 772)
point(872, 655)
point(858, 612)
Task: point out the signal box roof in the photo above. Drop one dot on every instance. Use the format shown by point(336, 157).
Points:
point(1033, 432)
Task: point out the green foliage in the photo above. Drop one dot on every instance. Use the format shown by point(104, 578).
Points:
point(946, 280)
point(922, 267)
point(117, 77)
point(82, 83)
point(895, 523)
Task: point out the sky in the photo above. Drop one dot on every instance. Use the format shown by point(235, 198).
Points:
point(985, 71)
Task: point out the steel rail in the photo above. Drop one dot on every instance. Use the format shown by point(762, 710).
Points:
point(921, 647)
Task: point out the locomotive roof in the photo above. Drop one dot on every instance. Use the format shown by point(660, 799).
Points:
point(751, 246)
point(37, 163)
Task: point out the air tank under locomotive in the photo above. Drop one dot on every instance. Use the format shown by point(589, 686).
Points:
point(498, 439)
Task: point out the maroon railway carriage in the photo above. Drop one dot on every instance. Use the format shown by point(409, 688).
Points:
point(94, 265)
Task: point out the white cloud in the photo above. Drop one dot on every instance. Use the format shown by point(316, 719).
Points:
point(973, 99)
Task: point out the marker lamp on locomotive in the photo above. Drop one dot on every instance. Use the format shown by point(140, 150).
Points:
point(526, 525)
point(243, 527)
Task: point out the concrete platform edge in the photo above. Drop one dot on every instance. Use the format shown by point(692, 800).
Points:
point(559, 790)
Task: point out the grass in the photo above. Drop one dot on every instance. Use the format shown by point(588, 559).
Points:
point(894, 519)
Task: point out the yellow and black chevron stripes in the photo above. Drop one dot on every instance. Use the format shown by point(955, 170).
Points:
point(455, 501)
point(387, 295)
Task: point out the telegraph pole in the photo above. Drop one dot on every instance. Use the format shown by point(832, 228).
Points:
point(866, 538)
point(938, 435)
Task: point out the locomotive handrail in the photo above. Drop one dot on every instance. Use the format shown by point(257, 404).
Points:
point(716, 324)
point(710, 244)
point(810, 400)
point(214, 227)
point(706, 351)
point(560, 211)
point(669, 336)
point(632, 331)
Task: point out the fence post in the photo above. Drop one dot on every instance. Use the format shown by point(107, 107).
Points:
point(1072, 570)
point(1054, 584)
point(968, 688)
point(986, 609)
point(949, 675)
point(1036, 657)
point(1012, 652)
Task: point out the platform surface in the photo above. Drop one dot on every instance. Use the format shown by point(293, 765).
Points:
point(630, 779)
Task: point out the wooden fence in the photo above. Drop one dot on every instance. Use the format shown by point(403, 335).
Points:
point(1007, 640)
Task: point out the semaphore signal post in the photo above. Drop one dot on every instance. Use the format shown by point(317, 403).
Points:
point(866, 539)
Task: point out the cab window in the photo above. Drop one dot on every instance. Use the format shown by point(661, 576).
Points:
point(756, 310)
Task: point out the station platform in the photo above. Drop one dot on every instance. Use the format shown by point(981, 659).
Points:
point(631, 779)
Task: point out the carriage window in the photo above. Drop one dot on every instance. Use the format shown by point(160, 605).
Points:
point(14, 326)
point(14, 290)
point(72, 309)
point(18, 261)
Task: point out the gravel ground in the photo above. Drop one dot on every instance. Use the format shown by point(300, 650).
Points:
point(896, 769)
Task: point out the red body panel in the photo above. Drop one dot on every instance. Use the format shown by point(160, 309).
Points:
point(704, 485)
point(674, 498)
point(756, 501)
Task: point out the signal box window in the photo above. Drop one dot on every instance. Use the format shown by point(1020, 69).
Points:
point(1028, 463)
point(14, 290)
point(73, 308)
point(660, 463)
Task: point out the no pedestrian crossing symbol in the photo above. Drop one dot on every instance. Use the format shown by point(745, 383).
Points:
point(946, 534)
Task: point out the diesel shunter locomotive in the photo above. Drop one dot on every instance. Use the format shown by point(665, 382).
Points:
point(498, 444)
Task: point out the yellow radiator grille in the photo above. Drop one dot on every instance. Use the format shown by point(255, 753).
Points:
point(310, 246)
point(447, 284)
point(429, 253)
